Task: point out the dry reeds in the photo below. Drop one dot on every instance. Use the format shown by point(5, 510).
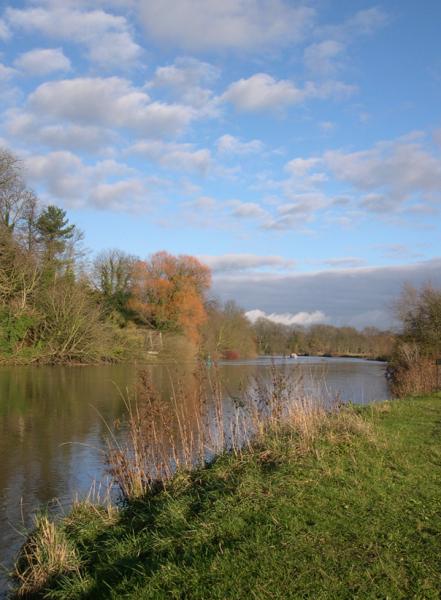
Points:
point(413, 373)
point(201, 421)
point(45, 555)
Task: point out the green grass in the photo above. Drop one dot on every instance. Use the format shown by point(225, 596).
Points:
point(358, 515)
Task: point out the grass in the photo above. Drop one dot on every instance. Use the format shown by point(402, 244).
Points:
point(355, 513)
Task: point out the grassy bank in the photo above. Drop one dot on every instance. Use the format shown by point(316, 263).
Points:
point(352, 512)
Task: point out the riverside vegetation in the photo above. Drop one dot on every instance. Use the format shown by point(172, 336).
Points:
point(58, 307)
point(320, 502)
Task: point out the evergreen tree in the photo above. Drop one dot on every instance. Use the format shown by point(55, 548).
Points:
point(54, 233)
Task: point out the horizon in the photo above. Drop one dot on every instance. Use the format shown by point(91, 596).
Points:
point(293, 147)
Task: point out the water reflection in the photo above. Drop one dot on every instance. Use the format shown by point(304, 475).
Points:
point(53, 421)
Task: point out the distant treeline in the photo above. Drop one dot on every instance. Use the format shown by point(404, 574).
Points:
point(275, 338)
point(57, 307)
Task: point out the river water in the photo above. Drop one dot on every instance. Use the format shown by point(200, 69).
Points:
point(53, 425)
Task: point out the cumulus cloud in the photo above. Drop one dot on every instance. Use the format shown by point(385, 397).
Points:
point(124, 195)
point(243, 262)
point(301, 166)
point(66, 178)
point(300, 318)
point(360, 297)
point(391, 171)
point(245, 25)
point(229, 144)
point(111, 102)
point(43, 61)
point(107, 37)
point(181, 157)
point(262, 92)
point(26, 127)
point(188, 79)
point(294, 214)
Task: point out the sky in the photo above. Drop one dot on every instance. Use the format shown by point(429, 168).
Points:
point(293, 146)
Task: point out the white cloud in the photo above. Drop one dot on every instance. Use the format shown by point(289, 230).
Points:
point(298, 212)
point(66, 178)
point(392, 172)
point(301, 166)
point(242, 262)
point(363, 22)
point(301, 318)
point(327, 56)
point(228, 144)
point(247, 210)
point(187, 79)
point(5, 34)
point(125, 195)
point(110, 102)
point(182, 157)
point(30, 128)
point(261, 92)
point(107, 37)
point(322, 57)
point(245, 25)
point(43, 61)
point(6, 72)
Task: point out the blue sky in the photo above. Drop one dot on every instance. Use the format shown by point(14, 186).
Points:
point(294, 146)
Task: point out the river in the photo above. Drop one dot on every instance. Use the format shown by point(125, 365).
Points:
point(53, 424)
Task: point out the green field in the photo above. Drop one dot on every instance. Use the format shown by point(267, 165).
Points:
point(354, 514)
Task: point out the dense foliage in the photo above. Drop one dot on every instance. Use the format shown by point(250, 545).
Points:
point(413, 366)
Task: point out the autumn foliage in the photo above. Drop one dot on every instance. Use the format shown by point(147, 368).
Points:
point(168, 293)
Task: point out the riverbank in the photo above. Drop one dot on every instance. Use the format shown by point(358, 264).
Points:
point(353, 512)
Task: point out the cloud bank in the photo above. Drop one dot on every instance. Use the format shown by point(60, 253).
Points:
point(357, 297)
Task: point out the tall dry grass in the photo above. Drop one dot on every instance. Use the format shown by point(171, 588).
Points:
point(201, 421)
point(412, 373)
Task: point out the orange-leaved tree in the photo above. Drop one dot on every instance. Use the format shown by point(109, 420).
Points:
point(168, 293)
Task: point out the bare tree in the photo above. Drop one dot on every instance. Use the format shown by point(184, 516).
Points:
point(17, 202)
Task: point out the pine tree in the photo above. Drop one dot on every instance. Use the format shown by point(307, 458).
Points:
point(54, 233)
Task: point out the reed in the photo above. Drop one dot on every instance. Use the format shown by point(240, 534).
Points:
point(201, 421)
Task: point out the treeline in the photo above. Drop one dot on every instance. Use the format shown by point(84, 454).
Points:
point(326, 340)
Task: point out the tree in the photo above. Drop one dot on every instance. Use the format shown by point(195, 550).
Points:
point(420, 314)
point(17, 202)
point(54, 233)
point(112, 275)
point(168, 293)
point(412, 367)
point(228, 329)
